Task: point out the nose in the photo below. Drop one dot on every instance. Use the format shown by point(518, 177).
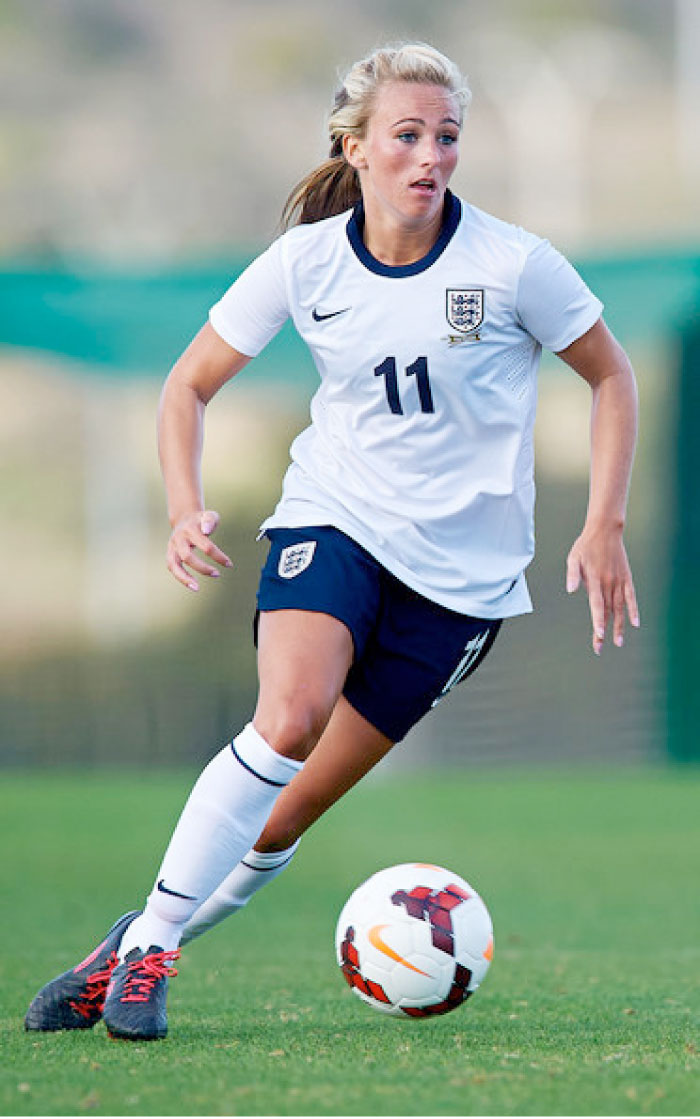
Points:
point(430, 152)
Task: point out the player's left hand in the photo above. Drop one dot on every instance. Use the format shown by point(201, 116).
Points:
point(598, 560)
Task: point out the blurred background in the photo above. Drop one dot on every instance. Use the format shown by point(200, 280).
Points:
point(146, 150)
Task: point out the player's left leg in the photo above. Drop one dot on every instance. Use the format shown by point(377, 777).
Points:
point(255, 870)
point(348, 749)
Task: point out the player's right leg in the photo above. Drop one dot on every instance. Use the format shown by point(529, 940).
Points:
point(302, 668)
point(222, 818)
point(303, 662)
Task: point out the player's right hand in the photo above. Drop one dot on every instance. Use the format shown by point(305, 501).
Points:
point(190, 536)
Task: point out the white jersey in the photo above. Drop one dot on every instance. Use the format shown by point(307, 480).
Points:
point(420, 445)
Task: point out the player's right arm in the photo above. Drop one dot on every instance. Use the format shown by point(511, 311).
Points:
point(206, 365)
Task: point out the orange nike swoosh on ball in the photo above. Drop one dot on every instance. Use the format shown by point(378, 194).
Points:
point(375, 938)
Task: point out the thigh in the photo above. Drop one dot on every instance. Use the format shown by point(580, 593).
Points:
point(349, 747)
point(303, 661)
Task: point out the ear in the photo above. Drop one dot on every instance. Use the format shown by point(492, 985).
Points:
point(353, 150)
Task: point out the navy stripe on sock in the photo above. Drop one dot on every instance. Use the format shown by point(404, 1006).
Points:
point(277, 784)
point(265, 868)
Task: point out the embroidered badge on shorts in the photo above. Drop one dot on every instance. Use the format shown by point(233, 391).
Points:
point(295, 559)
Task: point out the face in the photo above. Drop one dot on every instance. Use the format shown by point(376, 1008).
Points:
point(409, 153)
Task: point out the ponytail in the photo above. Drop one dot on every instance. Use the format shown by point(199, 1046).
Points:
point(330, 189)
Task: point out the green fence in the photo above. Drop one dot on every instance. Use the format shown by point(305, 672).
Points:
point(138, 321)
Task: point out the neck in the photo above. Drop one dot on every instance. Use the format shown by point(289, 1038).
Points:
point(396, 243)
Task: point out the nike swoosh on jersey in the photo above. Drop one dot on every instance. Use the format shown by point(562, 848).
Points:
point(374, 936)
point(173, 893)
point(331, 314)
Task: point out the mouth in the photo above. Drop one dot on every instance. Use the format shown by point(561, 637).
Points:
point(427, 187)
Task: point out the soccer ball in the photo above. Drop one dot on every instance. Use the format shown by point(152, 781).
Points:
point(414, 940)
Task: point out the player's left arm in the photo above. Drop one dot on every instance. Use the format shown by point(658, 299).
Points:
point(598, 557)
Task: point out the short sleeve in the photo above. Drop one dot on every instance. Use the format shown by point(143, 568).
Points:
point(553, 303)
point(255, 307)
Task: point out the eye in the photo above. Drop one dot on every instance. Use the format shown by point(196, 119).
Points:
point(407, 136)
point(448, 138)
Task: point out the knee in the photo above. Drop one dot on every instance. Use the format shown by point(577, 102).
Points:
point(292, 727)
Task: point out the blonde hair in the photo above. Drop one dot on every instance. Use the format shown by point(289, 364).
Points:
point(334, 186)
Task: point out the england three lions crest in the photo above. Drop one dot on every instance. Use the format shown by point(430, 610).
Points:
point(465, 309)
point(295, 559)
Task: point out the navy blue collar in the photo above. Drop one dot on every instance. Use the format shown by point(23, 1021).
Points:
point(452, 212)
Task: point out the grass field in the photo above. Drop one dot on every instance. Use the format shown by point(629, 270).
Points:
point(591, 1007)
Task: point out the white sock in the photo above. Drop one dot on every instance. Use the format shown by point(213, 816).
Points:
point(224, 815)
point(255, 870)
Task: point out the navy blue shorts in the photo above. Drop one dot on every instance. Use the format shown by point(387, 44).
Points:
point(409, 651)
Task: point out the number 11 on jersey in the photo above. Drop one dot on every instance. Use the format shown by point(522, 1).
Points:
point(417, 369)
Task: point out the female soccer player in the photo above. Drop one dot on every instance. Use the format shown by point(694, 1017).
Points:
point(405, 524)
